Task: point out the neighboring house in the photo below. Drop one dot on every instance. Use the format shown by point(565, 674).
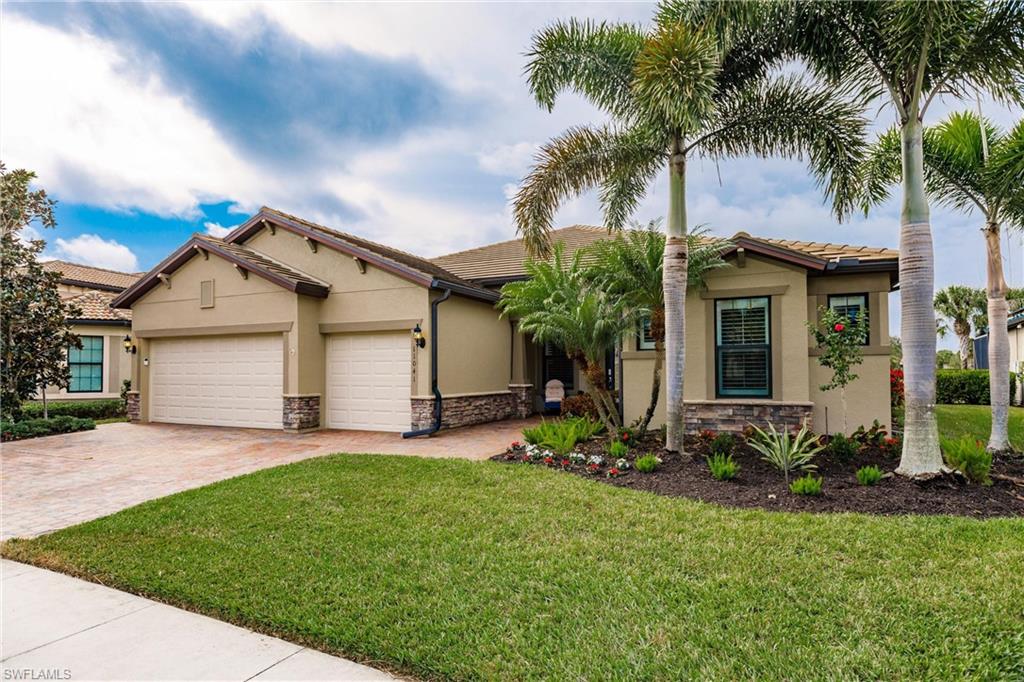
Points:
point(1015, 324)
point(101, 365)
point(285, 323)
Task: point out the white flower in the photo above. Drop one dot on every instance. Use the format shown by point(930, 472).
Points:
point(577, 457)
point(596, 459)
point(621, 463)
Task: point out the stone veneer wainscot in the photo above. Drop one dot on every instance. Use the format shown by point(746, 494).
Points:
point(736, 415)
point(301, 412)
point(475, 408)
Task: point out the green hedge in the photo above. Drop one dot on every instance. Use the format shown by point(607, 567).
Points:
point(33, 428)
point(966, 387)
point(86, 409)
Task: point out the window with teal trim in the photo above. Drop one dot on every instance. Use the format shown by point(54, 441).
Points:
point(743, 349)
point(86, 365)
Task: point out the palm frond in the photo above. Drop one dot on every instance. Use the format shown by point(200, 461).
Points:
point(580, 159)
point(880, 170)
point(1006, 175)
point(594, 60)
point(787, 117)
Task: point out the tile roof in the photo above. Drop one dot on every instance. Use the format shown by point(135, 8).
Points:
point(95, 305)
point(85, 275)
point(403, 258)
point(260, 261)
point(504, 260)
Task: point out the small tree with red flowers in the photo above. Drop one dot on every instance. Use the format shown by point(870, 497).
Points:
point(840, 339)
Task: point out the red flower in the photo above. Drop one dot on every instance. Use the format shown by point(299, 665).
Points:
point(526, 458)
point(625, 436)
point(839, 326)
point(515, 444)
point(613, 472)
point(549, 460)
point(565, 462)
point(593, 467)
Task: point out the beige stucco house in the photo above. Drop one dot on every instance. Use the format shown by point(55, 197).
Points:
point(289, 324)
point(101, 365)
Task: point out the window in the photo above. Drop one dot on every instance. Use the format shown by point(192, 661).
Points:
point(850, 305)
point(86, 365)
point(557, 365)
point(644, 340)
point(743, 347)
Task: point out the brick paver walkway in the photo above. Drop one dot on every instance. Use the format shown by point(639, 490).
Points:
point(58, 481)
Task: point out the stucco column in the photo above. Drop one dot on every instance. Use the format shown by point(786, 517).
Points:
point(519, 375)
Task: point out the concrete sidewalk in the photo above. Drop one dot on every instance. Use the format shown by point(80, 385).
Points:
point(61, 628)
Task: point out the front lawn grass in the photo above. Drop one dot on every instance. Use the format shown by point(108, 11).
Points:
point(975, 421)
point(475, 570)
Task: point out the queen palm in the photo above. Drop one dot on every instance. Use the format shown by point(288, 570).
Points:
point(905, 54)
point(964, 307)
point(971, 173)
point(692, 85)
point(630, 267)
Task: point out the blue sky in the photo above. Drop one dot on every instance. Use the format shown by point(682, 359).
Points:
point(405, 123)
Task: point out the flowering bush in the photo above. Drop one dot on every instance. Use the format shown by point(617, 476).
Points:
point(621, 464)
point(891, 445)
point(577, 457)
point(707, 435)
point(613, 472)
point(896, 387)
point(549, 460)
point(595, 460)
point(593, 468)
point(626, 434)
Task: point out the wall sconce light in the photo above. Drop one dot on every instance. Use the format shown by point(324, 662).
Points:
point(417, 336)
point(129, 347)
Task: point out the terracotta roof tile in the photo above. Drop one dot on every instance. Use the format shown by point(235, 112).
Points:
point(95, 305)
point(260, 260)
point(504, 260)
point(84, 275)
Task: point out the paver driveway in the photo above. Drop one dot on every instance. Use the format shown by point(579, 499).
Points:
point(58, 481)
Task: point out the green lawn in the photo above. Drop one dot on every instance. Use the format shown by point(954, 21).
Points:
point(461, 570)
point(976, 421)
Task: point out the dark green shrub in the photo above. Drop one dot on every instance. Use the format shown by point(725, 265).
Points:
point(723, 443)
point(965, 387)
point(722, 466)
point(646, 464)
point(83, 409)
point(841, 447)
point(969, 457)
point(806, 485)
point(869, 475)
point(34, 428)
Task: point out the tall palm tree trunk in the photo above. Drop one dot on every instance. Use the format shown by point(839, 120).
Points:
point(921, 455)
point(675, 274)
point(963, 337)
point(998, 343)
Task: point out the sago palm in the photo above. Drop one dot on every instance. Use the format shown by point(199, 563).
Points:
point(971, 173)
point(964, 307)
point(559, 304)
point(695, 84)
point(904, 54)
point(631, 265)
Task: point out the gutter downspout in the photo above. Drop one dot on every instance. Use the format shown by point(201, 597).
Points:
point(438, 398)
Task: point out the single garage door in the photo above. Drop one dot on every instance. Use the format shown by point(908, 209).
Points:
point(368, 381)
point(218, 380)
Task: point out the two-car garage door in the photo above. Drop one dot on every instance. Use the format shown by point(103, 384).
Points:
point(218, 380)
point(238, 381)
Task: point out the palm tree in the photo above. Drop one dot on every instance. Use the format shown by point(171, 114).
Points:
point(696, 84)
point(905, 54)
point(559, 305)
point(962, 306)
point(968, 172)
point(630, 267)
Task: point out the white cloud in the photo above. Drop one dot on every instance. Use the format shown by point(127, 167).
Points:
point(91, 249)
point(508, 159)
point(217, 230)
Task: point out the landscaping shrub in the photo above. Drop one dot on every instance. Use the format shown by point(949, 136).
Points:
point(723, 443)
point(581, 405)
point(617, 449)
point(722, 466)
point(896, 387)
point(969, 457)
point(875, 435)
point(34, 428)
point(647, 463)
point(806, 485)
point(966, 387)
point(869, 475)
point(787, 453)
point(562, 435)
point(83, 409)
point(841, 447)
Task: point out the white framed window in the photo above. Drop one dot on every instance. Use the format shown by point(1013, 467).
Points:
point(851, 305)
point(644, 339)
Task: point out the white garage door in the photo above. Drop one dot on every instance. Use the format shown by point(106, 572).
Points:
point(368, 381)
point(218, 380)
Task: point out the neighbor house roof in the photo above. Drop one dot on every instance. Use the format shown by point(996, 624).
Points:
point(95, 307)
point(504, 261)
point(399, 262)
point(90, 277)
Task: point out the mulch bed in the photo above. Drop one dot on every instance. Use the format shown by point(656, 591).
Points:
point(760, 485)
